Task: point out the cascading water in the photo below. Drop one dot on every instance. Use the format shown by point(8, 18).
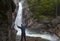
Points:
point(18, 20)
point(30, 33)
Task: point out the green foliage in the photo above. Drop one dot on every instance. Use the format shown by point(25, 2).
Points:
point(40, 8)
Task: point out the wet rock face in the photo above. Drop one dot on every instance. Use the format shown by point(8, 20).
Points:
point(7, 9)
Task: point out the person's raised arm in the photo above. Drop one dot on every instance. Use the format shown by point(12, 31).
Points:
point(19, 27)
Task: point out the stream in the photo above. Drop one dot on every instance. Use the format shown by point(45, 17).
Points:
point(32, 33)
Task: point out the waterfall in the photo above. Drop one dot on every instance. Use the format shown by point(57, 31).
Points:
point(18, 21)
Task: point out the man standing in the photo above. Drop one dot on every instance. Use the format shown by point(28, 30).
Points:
point(23, 35)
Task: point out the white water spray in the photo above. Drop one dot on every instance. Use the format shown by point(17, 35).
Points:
point(18, 20)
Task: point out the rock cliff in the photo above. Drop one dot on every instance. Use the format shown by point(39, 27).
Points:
point(8, 11)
